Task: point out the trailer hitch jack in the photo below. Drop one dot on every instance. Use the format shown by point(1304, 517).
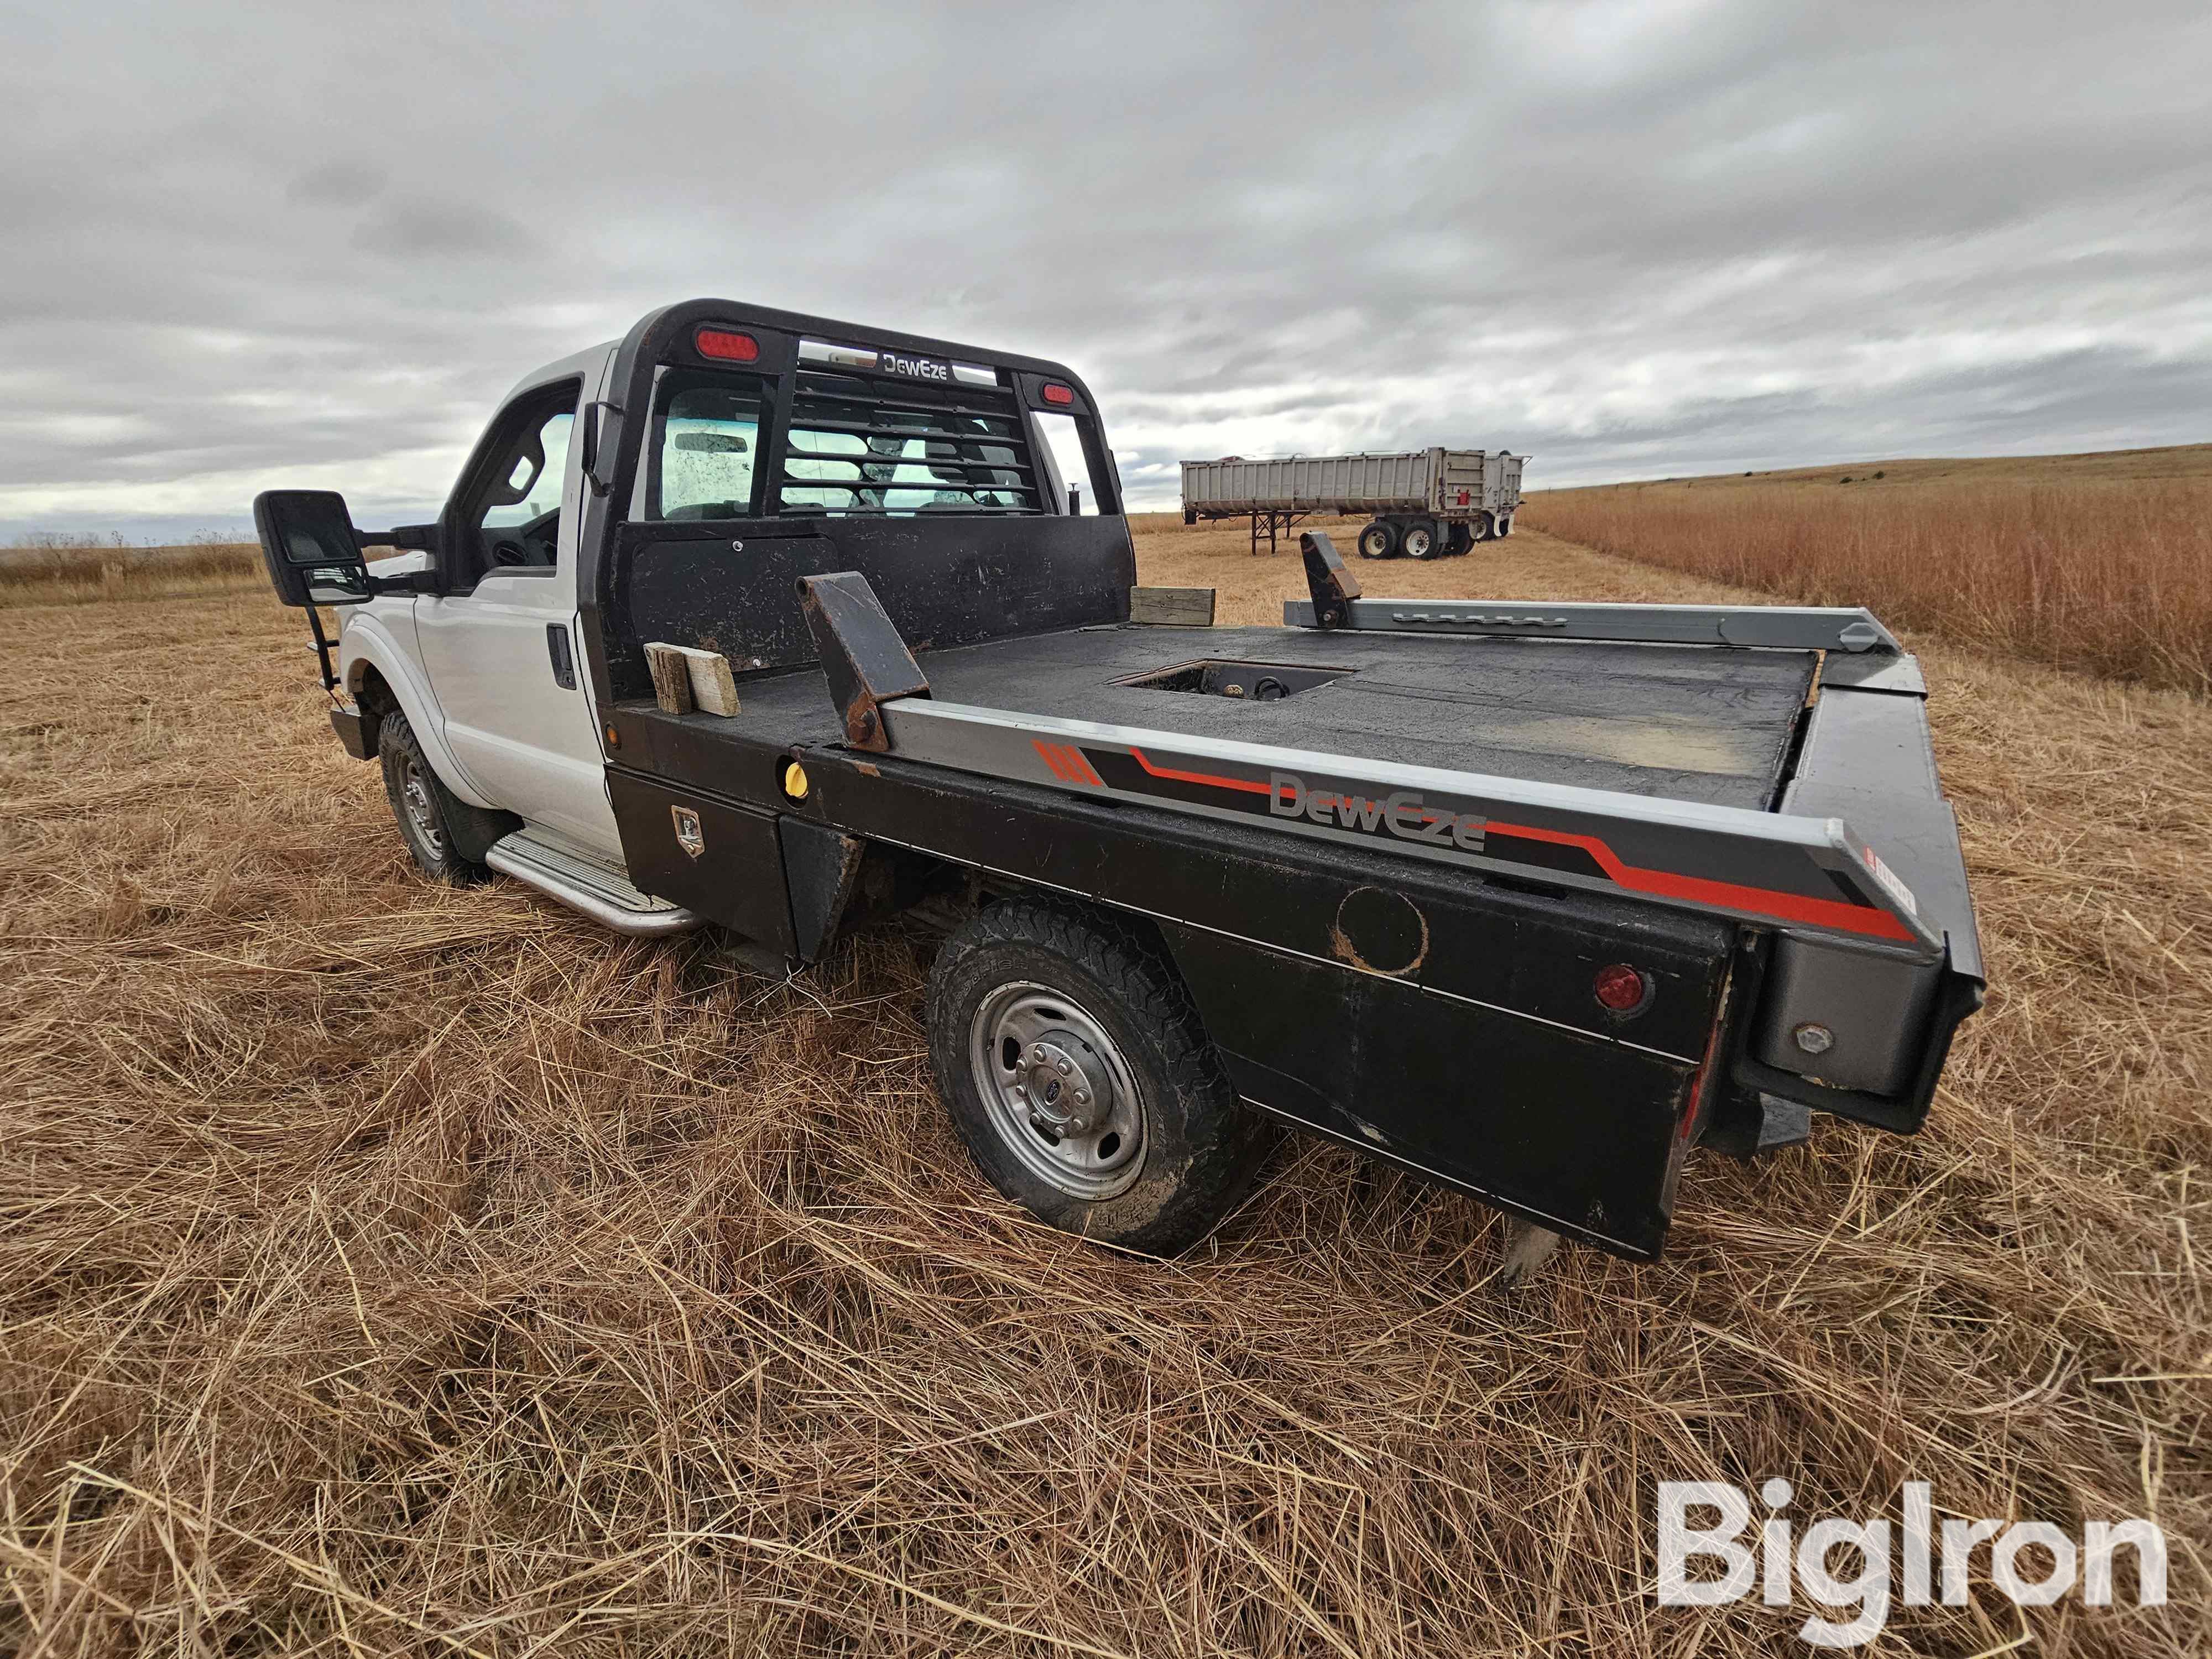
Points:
point(863, 658)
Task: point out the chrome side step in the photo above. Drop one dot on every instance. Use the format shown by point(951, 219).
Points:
point(602, 891)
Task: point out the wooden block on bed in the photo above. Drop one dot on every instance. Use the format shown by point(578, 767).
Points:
point(671, 677)
point(1172, 607)
point(714, 687)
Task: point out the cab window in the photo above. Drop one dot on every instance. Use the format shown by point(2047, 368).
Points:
point(706, 447)
point(513, 515)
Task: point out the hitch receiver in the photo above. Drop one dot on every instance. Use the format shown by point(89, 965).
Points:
point(863, 658)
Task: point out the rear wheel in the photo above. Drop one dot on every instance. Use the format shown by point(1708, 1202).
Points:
point(1457, 540)
point(1081, 1081)
point(421, 805)
point(1379, 540)
point(1482, 526)
point(1420, 540)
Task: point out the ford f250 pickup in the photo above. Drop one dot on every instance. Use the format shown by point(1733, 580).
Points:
point(1531, 898)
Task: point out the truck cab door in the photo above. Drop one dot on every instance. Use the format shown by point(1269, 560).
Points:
point(501, 645)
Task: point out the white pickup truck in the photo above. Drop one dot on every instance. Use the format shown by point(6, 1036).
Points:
point(1531, 898)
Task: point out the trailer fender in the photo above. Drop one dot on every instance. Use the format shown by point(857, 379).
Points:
point(368, 643)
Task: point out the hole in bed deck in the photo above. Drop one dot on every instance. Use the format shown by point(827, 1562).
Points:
point(1256, 681)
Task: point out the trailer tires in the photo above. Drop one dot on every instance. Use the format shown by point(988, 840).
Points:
point(1482, 526)
point(1081, 1081)
point(1458, 540)
point(1420, 541)
point(1379, 540)
point(424, 808)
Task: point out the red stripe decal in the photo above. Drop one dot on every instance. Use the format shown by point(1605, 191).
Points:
point(1700, 889)
point(1245, 784)
point(1660, 883)
point(1067, 762)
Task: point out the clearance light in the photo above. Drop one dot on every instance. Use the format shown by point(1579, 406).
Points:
point(794, 782)
point(1055, 392)
point(1620, 988)
point(727, 344)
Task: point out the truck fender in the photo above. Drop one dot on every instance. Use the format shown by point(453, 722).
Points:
point(368, 643)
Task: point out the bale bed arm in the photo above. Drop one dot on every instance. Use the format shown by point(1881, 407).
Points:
point(1337, 603)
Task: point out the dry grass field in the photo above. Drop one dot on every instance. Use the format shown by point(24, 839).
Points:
point(77, 575)
point(2101, 563)
point(392, 1269)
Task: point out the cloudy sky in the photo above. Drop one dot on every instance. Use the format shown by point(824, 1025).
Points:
point(312, 245)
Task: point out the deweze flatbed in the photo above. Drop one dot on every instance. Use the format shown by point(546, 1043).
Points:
point(1531, 898)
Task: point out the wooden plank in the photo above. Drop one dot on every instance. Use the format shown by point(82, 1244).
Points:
point(671, 677)
point(714, 687)
point(1172, 607)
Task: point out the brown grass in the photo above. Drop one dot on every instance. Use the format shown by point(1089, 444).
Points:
point(388, 1269)
point(90, 573)
point(2092, 572)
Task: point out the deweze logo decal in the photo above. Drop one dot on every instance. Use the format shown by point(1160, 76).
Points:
point(922, 368)
point(1403, 814)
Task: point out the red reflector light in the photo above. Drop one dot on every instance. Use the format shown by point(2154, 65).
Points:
point(1055, 392)
point(1620, 988)
point(727, 344)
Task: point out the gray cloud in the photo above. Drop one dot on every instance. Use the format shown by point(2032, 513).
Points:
point(1636, 238)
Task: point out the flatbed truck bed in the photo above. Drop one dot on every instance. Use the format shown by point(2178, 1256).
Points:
point(1531, 898)
point(1653, 720)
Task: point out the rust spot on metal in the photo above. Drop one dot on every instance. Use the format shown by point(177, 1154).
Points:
point(1388, 923)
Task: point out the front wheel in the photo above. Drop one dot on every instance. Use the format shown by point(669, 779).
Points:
point(1081, 1082)
point(422, 805)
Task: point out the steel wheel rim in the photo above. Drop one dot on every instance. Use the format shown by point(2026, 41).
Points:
point(422, 809)
point(1372, 542)
point(1031, 1049)
point(1418, 543)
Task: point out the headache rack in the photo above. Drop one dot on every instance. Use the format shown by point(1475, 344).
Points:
point(975, 455)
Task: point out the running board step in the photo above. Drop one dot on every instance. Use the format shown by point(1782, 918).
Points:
point(601, 891)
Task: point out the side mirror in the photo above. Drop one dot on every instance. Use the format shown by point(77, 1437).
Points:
point(307, 540)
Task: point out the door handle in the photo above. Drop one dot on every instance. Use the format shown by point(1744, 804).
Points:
point(564, 658)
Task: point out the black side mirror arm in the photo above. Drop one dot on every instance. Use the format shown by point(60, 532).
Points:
point(414, 581)
point(408, 538)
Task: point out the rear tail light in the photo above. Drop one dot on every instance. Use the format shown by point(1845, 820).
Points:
point(1055, 392)
point(1620, 988)
point(727, 344)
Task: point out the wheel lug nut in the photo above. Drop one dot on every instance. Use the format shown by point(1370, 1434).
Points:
point(1064, 1068)
point(1082, 1097)
point(1037, 1054)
